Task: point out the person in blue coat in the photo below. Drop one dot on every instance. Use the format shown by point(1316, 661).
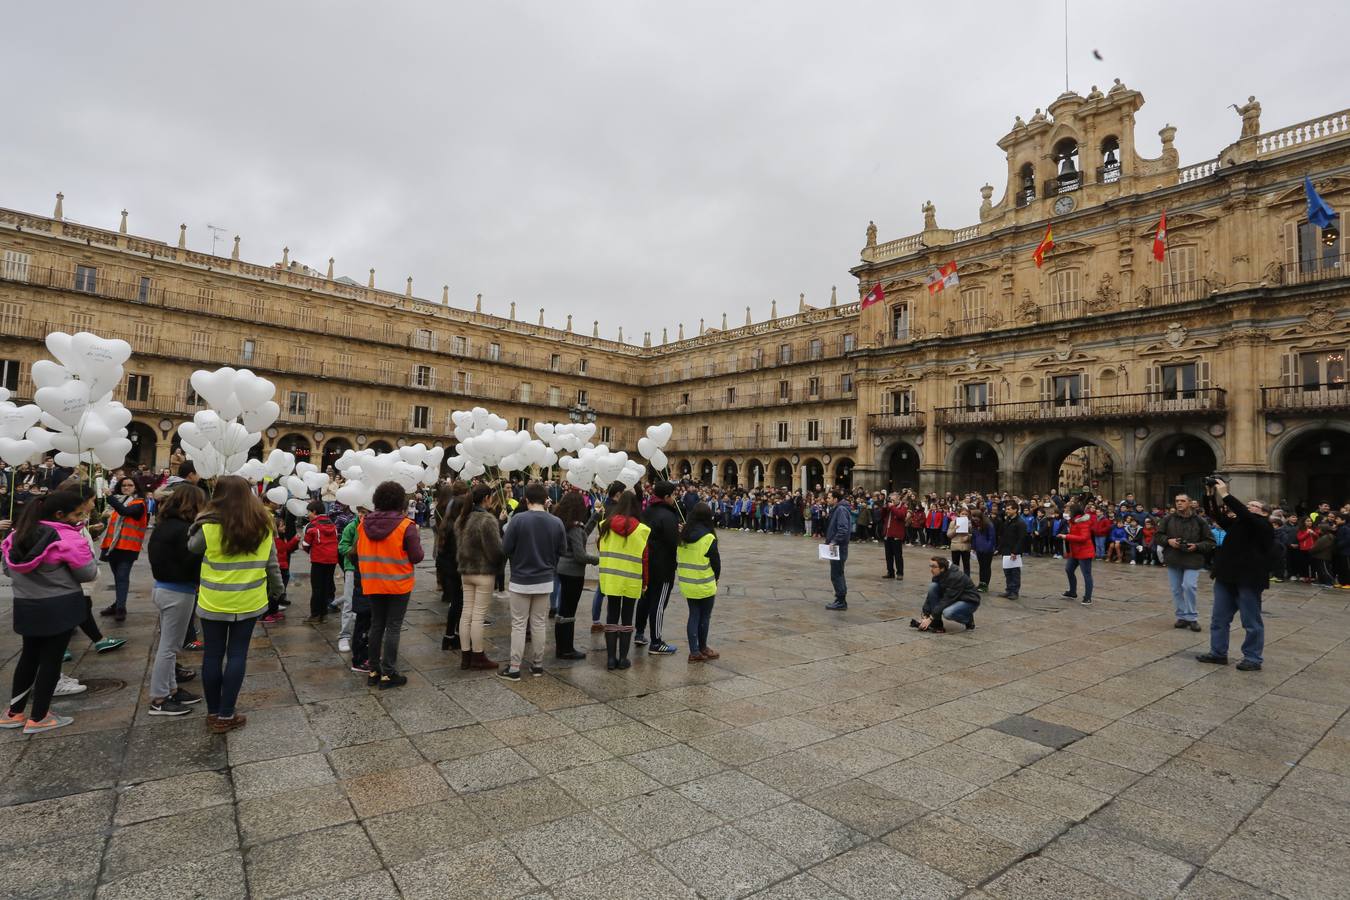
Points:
point(838, 531)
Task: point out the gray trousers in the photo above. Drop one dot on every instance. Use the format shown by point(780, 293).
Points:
point(348, 617)
point(175, 611)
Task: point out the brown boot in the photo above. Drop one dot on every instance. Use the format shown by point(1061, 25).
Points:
point(220, 726)
point(481, 661)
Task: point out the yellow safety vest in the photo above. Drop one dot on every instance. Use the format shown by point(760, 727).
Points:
point(233, 585)
point(621, 562)
point(693, 571)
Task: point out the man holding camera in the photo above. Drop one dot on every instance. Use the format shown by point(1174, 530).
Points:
point(1241, 573)
point(1185, 539)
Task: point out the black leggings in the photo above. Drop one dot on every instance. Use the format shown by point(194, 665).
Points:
point(90, 625)
point(572, 586)
point(36, 672)
point(386, 624)
point(986, 561)
point(962, 557)
point(321, 591)
point(619, 613)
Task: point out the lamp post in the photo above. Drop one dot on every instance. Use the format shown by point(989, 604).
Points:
point(581, 414)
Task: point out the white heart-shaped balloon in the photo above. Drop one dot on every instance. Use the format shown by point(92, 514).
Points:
point(298, 508)
point(658, 460)
point(257, 419)
point(16, 452)
point(58, 345)
point(46, 373)
point(251, 390)
point(294, 485)
point(15, 420)
point(278, 495)
point(66, 402)
point(113, 452)
point(209, 425)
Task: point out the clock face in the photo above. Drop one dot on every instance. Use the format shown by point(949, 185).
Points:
point(1064, 205)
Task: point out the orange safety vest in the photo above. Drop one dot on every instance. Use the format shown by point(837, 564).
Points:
point(384, 567)
point(124, 533)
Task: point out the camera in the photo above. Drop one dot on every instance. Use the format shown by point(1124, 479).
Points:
point(1211, 481)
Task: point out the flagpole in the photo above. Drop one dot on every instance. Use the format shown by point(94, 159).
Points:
point(1066, 46)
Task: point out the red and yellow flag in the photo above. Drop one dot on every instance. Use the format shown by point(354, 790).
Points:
point(1046, 243)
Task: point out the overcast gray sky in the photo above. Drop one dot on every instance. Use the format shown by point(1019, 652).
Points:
point(637, 162)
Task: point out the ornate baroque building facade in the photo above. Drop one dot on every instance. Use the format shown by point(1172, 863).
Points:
point(1229, 355)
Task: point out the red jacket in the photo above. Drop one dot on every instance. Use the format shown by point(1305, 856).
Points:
point(1101, 526)
point(895, 521)
point(284, 550)
point(1079, 539)
point(321, 541)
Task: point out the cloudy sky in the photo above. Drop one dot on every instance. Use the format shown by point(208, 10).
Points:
point(639, 163)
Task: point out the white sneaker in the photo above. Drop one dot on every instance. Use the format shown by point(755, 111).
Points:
point(344, 645)
point(65, 686)
point(1133, 563)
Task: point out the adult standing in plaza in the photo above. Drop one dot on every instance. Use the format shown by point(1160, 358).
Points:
point(533, 543)
point(177, 572)
point(1079, 549)
point(838, 530)
point(123, 539)
point(478, 550)
point(1185, 540)
point(1241, 573)
point(1012, 540)
point(894, 520)
point(664, 523)
point(984, 541)
point(388, 549)
point(47, 560)
point(239, 572)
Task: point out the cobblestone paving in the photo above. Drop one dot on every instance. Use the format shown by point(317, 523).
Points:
point(1055, 751)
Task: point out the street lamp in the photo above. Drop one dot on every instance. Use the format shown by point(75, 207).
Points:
point(581, 414)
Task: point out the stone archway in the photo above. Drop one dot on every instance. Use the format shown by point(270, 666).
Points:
point(333, 449)
point(1177, 464)
point(296, 444)
point(144, 445)
point(974, 466)
point(1312, 461)
point(707, 472)
point(380, 446)
point(903, 467)
point(1067, 462)
point(684, 468)
point(843, 473)
point(782, 474)
point(754, 474)
point(815, 475)
point(729, 473)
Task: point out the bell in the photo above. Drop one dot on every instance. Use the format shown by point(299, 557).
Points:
point(1066, 169)
point(1111, 157)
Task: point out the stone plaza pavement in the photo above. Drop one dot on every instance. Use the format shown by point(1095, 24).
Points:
point(1056, 751)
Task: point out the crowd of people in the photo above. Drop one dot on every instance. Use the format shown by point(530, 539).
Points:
point(220, 556)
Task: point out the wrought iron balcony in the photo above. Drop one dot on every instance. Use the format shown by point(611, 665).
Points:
point(1199, 402)
point(895, 423)
point(1320, 268)
point(1329, 396)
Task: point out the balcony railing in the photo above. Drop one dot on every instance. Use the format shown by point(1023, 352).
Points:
point(714, 443)
point(1199, 402)
point(895, 423)
point(1177, 292)
point(1108, 174)
point(1320, 268)
point(1332, 396)
point(1062, 185)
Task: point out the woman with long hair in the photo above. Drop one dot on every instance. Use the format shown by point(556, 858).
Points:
point(48, 560)
point(239, 572)
point(123, 540)
point(1079, 550)
point(623, 575)
point(478, 552)
point(450, 498)
point(699, 566)
point(177, 571)
point(578, 523)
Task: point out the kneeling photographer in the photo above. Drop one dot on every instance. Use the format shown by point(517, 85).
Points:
point(1241, 572)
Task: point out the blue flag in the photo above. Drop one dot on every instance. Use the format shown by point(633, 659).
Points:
point(1319, 213)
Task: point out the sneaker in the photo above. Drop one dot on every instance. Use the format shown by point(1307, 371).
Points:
point(1212, 658)
point(333, 607)
point(1133, 563)
point(51, 723)
point(1248, 666)
point(107, 611)
point(107, 645)
point(66, 657)
point(1069, 595)
point(185, 697)
point(273, 618)
point(639, 642)
point(344, 645)
point(361, 668)
point(393, 680)
point(663, 648)
point(12, 720)
point(537, 671)
point(65, 686)
point(506, 673)
point(1181, 623)
point(183, 673)
point(373, 680)
point(283, 604)
point(220, 726)
point(168, 707)
point(1194, 626)
point(313, 620)
point(982, 587)
point(1086, 601)
point(837, 605)
point(193, 645)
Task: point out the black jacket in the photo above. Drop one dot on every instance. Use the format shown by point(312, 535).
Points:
point(170, 559)
point(664, 522)
point(955, 586)
point(1244, 556)
point(1012, 536)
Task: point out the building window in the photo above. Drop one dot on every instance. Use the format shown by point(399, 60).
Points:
point(704, 434)
point(1064, 289)
point(1325, 367)
point(192, 398)
point(205, 296)
point(846, 428)
point(817, 348)
point(422, 339)
point(201, 343)
point(525, 391)
point(9, 375)
point(850, 342)
point(459, 345)
point(383, 410)
point(900, 322)
point(1313, 252)
point(342, 405)
point(902, 402)
point(1068, 390)
point(813, 431)
point(523, 423)
point(784, 353)
point(606, 434)
point(343, 365)
point(684, 399)
point(581, 398)
point(143, 335)
point(138, 387)
point(494, 351)
point(423, 376)
point(15, 265)
point(258, 306)
point(1179, 381)
point(421, 418)
point(846, 383)
point(143, 290)
point(300, 357)
point(731, 396)
point(554, 396)
point(784, 390)
point(782, 432)
point(972, 304)
point(86, 279)
point(581, 365)
point(554, 363)
point(813, 386)
point(1179, 267)
point(11, 315)
point(463, 382)
point(976, 396)
point(757, 358)
point(297, 403)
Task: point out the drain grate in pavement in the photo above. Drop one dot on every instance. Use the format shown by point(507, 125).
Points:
point(102, 685)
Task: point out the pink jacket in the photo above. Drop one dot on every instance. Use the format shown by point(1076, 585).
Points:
point(70, 548)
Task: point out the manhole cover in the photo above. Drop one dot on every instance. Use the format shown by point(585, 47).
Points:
point(102, 685)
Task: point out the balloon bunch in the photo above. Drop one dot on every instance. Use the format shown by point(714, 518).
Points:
point(365, 470)
point(74, 400)
point(652, 447)
point(216, 443)
point(599, 467)
point(294, 481)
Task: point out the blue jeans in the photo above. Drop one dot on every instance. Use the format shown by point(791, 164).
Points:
point(556, 596)
point(961, 611)
point(1086, 565)
point(700, 616)
point(1246, 601)
point(837, 575)
point(224, 662)
point(121, 561)
point(1184, 582)
point(597, 604)
point(1012, 579)
point(1100, 544)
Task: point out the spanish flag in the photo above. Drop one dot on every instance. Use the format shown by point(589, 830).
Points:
point(1046, 243)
